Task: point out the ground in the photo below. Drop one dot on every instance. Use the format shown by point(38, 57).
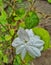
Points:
point(45, 59)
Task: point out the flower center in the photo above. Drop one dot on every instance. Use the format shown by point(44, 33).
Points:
point(26, 41)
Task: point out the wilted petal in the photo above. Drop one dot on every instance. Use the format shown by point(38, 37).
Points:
point(33, 51)
point(30, 32)
point(17, 42)
point(23, 35)
point(23, 53)
point(19, 49)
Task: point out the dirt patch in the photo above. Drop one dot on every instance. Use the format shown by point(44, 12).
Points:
point(43, 6)
point(45, 59)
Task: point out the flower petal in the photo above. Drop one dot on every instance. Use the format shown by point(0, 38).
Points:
point(36, 43)
point(23, 53)
point(33, 51)
point(41, 48)
point(17, 42)
point(37, 37)
point(23, 34)
point(19, 49)
point(30, 32)
point(39, 43)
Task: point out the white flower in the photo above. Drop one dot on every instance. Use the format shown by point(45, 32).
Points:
point(28, 42)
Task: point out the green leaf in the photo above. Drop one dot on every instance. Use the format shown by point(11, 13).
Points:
point(49, 1)
point(5, 59)
point(31, 20)
point(0, 39)
point(1, 3)
point(3, 29)
point(3, 17)
point(30, 0)
point(8, 37)
point(20, 13)
point(1, 55)
point(1, 45)
point(17, 60)
point(22, 24)
point(12, 31)
point(28, 58)
point(14, 23)
point(44, 35)
point(20, 1)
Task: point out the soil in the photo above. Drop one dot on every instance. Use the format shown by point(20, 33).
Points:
point(45, 59)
